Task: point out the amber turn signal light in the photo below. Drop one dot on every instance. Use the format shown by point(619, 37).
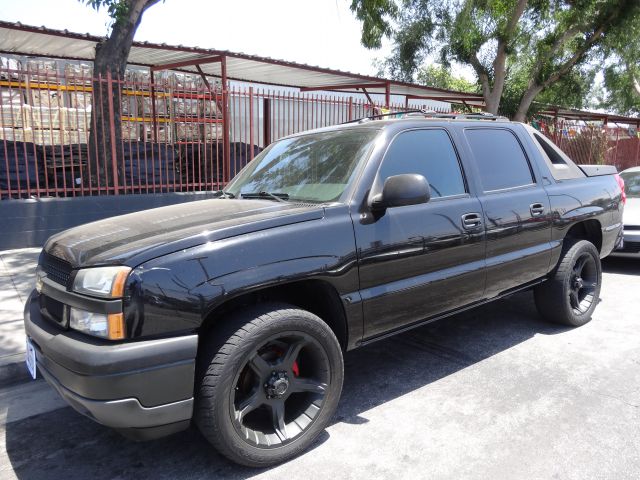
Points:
point(116, 326)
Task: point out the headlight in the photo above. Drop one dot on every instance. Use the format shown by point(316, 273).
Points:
point(107, 282)
point(103, 325)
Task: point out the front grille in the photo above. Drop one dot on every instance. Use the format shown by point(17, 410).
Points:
point(632, 227)
point(57, 270)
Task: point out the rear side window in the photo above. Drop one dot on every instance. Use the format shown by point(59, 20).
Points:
point(500, 159)
point(428, 153)
point(561, 166)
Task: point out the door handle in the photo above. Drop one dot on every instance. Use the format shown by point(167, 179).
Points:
point(471, 221)
point(536, 209)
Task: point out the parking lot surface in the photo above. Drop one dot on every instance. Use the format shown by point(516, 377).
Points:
point(491, 393)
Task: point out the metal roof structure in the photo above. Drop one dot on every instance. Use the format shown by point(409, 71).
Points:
point(19, 39)
point(586, 116)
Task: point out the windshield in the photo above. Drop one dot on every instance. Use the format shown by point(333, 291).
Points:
point(631, 184)
point(310, 168)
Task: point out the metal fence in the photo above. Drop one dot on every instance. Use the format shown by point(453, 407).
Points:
point(172, 134)
point(594, 142)
point(179, 133)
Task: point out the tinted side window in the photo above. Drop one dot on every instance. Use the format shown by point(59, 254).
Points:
point(500, 159)
point(554, 156)
point(429, 153)
point(561, 167)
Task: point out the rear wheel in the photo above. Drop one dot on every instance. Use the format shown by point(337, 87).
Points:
point(271, 380)
point(570, 296)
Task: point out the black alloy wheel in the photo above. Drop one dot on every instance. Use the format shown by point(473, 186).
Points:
point(583, 283)
point(571, 293)
point(280, 390)
point(269, 381)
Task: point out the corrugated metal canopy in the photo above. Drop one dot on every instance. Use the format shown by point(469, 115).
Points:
point(586, 116)
point(19, 39)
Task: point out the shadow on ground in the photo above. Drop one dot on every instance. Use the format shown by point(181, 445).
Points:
point(621, 265)
point(63, 444)
point(21, 267)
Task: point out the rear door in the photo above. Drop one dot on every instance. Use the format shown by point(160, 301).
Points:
point(516, 209)
point(417, 261)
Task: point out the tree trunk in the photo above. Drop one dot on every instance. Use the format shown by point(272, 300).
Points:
point(525, 103)
point(109, 65)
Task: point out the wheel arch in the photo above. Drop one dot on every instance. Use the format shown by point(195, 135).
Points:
point(316, 296)
point(590, 230)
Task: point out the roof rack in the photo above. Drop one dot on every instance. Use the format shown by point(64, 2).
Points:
point(432, 114)
point(381, 115)
point(465, 116)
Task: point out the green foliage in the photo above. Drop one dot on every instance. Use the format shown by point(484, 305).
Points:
point(373, 15)
point(542, 49)
point(622, 70)
point(118, 10)
point(439, 76)
point(571, 91)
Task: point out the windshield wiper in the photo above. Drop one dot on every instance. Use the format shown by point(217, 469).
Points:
point(224, 194)
point(280, 197)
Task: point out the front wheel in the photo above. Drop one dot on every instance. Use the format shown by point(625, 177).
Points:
point(570, 296)
point(271, 380)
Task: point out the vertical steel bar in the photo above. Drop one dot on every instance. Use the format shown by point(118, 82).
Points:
point(112, 129)
point(102, 158)
point(225, 121)
point(81, 127)
point(120, 83)
point(251, 140)
point(637, 139)
point(94, 96)
point(266, 120)
point(615, 157)
point(61, 131)
point(387, 95)
point(5, 133)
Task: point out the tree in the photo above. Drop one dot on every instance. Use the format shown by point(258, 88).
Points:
point(111, 61)
point(439, 76)
point(622, 71)
point(544, 42)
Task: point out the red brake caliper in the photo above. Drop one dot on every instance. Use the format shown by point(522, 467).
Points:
point(295, 368)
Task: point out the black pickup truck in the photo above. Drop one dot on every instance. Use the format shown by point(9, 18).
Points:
point(234, 313)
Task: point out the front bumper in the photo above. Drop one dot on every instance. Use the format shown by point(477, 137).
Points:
point(144, 389)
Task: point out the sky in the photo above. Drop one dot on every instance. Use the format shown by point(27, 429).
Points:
point(316, 32)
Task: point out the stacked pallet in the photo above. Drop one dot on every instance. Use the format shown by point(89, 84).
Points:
point(49, 103)
point(14, 124)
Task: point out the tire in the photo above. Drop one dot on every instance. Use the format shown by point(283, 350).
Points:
point(571, 294)
point(271, 377)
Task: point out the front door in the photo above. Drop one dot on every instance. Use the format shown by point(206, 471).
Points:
point(418, 261)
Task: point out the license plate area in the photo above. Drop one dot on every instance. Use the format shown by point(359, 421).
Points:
point(30, 359)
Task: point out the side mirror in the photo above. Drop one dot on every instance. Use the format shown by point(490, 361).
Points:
point(401, 190)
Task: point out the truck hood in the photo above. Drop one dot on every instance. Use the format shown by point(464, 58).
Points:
point(631, 215)
point(137, 237)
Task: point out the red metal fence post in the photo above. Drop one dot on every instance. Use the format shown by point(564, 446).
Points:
point(226, 148)
point(350, 113)
point(112, 128)
point(266, 117)
point(387, 95)
point(251, 122)
point(615, 156)
point(638, 144)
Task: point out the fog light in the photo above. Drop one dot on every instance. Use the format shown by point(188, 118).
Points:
point(109, 326)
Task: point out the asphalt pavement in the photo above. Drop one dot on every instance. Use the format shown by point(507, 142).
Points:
point(491, 393)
